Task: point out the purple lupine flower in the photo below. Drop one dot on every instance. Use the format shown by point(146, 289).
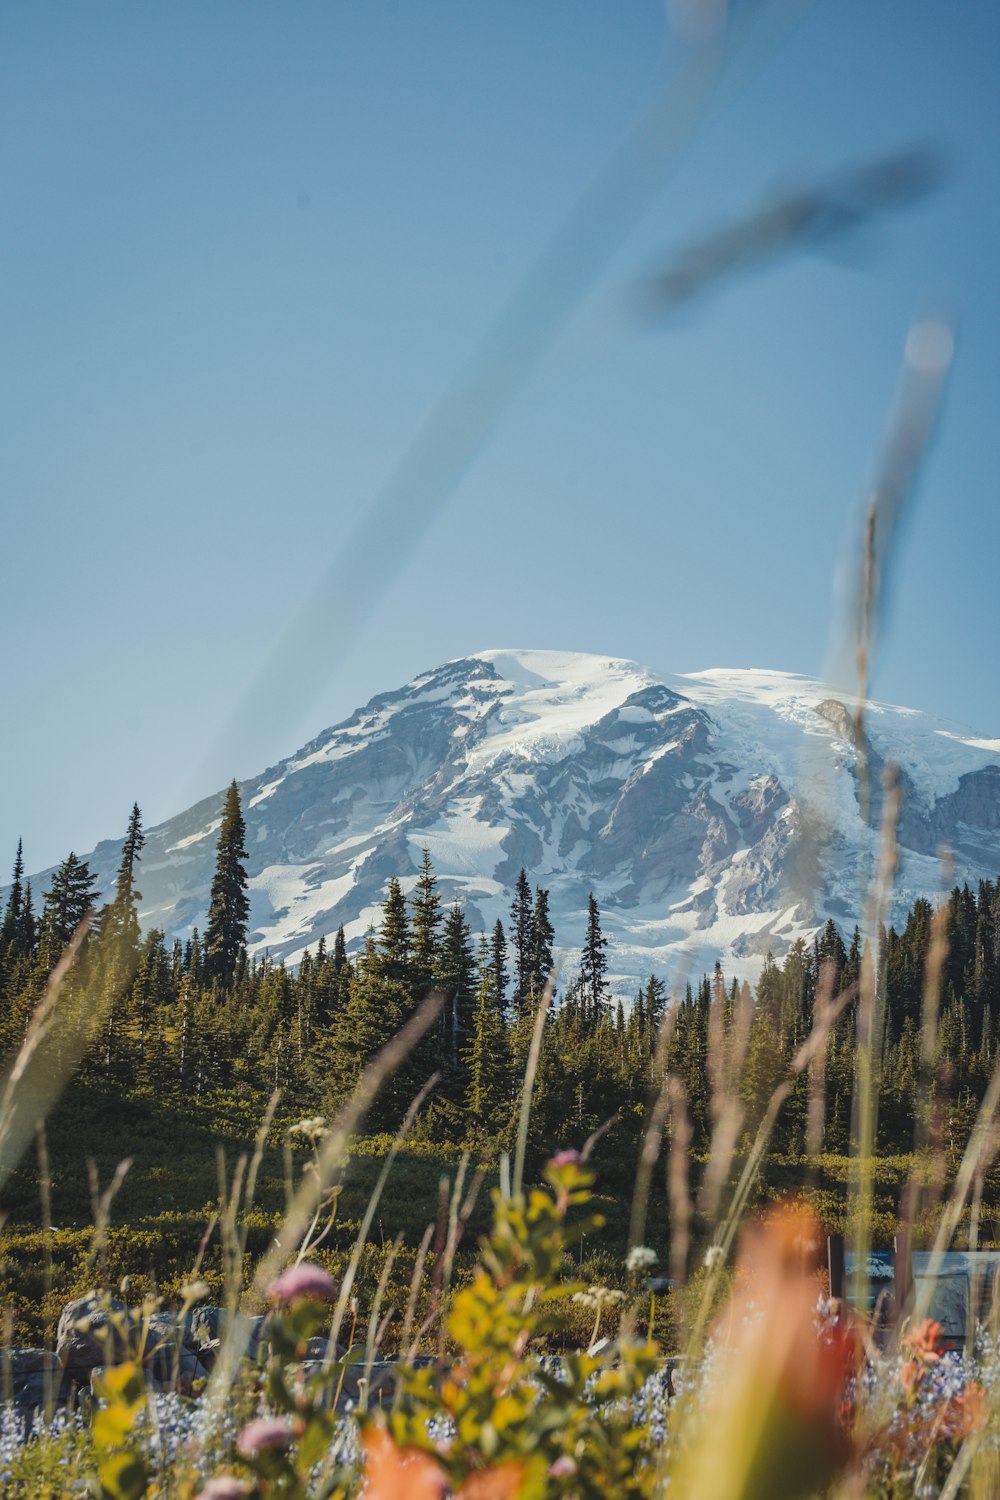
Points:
point(303, 1283)
point(264, 1434)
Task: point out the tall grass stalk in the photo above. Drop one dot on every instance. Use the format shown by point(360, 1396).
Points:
point(528, 1084)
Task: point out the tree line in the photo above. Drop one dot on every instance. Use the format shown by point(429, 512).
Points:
point(201, 1016)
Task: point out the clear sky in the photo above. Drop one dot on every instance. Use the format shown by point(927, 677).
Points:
point(246, 247)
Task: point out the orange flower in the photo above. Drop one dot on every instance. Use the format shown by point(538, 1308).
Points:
point(501, 1483)
point(925, 1340)
point(393, 1473)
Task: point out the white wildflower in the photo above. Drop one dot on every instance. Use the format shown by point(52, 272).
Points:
point(640, 1258)
point(714, 1257)
point(313, 1128)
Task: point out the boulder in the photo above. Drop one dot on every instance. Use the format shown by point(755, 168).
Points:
point(93, 1330)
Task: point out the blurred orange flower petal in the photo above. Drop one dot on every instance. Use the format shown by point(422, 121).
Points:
point(393, 1473)
point(925, 1340)
point(501, 1483)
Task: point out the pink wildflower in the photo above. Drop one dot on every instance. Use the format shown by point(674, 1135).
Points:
point(566, 1159)
point(303, 1283)
point(264, 1434)
point(224, 1487)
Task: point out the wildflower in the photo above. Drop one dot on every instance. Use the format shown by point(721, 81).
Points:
point(566, 1159)
point(925, 1341)
point(303, 1283)
point(391, 1472)
point(598, 1296)
point(785, 1381)
point(224, 1487)
point(313, 1128)
point(640, 1258)
point(265, 1434)
point(500, 1483)
point(195, 1291)
point(563, 1468)
point(714, 1256)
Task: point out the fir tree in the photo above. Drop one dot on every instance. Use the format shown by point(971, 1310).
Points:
point(487, 1057)
point(522, 942)
point(120, 921)
point(229, 909)
point(394, 943)
point(498, 958)
point(542, 938)
point(457, 978)
point(593, 965)
point(426, 905)
point(11, 925)
point(71, 897)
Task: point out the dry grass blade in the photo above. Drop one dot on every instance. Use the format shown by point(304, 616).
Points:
point(868, 1053)
point(469, 411)
point(678, 1191)
point(652, 1136)
point(812, 218)
point(415, 1283)
point(42, 1066)
point(347, 1285)
point(527, 1088)
point(977, 1151)
point(332, 1154)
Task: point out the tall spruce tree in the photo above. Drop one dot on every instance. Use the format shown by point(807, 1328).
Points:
point(71, 897)
point(229, 908)
point(593, 965)
point(11, 925)
point(457, 978)
point(395, 942)
point(542, 938)
point(498, 956)
point(522, 942)
point(120, 920)
point(426, 905)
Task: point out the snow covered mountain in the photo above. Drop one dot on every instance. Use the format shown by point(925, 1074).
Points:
point(715, 814)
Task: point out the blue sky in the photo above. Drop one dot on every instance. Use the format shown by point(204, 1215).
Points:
point(246, 248)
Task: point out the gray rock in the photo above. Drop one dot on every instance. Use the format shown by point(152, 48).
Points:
point(210, 1325)
point(93, 1330)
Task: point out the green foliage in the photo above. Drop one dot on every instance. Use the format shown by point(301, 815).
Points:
point(562, 1433)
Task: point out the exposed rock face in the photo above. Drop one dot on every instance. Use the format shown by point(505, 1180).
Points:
point(719, 814)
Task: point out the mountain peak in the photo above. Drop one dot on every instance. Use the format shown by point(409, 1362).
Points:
point(684, 803)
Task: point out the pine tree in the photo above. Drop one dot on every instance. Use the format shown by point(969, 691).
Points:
point(395, 944)
point(593, 965)
point(11, 925)
point(71, 897)
point(120, 921)
point(457, 978)
point(522, 942)
point(498, 958)
point(487, 1057)
point(426, 921)
point(229, 908)
point(542, 938)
